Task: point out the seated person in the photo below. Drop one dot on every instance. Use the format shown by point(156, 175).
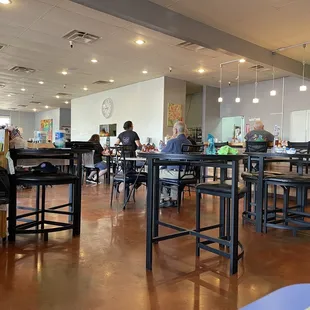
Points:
point(92, 178)
point(259, 133)
point(16, 141)
point(129, 137)
point(174, 146)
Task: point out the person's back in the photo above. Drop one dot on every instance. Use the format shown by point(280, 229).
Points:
point(129, 137)
point(174, 146)
point(259, 133)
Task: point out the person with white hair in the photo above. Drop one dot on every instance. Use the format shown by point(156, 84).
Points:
point(259, 133)
point(174, 146)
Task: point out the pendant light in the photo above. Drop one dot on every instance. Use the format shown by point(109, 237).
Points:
point(255, 99)
point(303, 87)
point(273, 92)
point(238, 99)
point(220, 98)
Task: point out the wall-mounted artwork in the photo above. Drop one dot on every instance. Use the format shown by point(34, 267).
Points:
point(107, 130)
point(47, 126)
point(175, 113)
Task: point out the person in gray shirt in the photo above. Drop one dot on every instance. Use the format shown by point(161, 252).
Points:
point(259, 133)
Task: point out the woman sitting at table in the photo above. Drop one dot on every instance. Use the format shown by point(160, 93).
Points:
point(92, 178)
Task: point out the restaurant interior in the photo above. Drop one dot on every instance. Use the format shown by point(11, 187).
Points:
point(154, 154)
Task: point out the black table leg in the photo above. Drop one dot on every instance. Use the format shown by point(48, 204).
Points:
point(149, 221)
point(108, 175)
point(77, 200)
point(234, 220)
point(156, 200)
point(260, 195)
point(12, 209)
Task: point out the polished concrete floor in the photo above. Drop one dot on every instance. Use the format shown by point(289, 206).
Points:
point(105, 267)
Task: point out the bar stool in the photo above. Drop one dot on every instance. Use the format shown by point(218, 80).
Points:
point(251, 180)
point(39, 223)
point(228, 226)
point(288, 214)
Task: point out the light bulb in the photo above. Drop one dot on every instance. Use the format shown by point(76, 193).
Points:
point(255, 100)
point(201, 70)
point(242, 60)
point(67, 102)
point(34, 110)
point(144, 71)
point(46, 107)
point(5, 1)
point(220, 99)
point(303, 88)
point(237, 100)
point(140, 42)
point(94, 60)
point(57, 96)
point(85, 88)
point(64, 72)
point(23, 89)
point(111, 81)
point(41, 82)
point(273, 93)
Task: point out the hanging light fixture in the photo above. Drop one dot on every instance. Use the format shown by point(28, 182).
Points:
point(273, 92)
point(255, 99)
point(220, 98)
point(303, 87)
point(237, 100)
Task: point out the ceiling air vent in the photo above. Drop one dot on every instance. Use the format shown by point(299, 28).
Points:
point(101, 82)
point(259, 68)
point(2, 46)
point(63, 95)
point(19, 69)
point(23, 105)
point(35, 102)
point(191, 46)
point(81, 37)
point(2, 85)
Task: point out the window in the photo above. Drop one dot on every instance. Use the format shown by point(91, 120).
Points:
point(5, 120)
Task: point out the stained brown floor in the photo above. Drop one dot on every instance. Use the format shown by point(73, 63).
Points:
point(105, 267)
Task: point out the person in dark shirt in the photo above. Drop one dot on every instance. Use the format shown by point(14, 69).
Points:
point(95, 139)
point(259, 133)
point(128, 137)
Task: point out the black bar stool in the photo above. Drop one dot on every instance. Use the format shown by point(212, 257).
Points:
point(228, 226)
point(40, 224)
point(288, 217)
point(251, 180)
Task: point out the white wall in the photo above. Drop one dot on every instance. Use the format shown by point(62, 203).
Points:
point(269, 108)
point(49, 114)
point(25, 120)
point(175, 92)
point(193, 115)
point(142, 103)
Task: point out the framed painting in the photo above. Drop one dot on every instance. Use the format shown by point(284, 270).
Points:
point(175, 113)
point(47, 126)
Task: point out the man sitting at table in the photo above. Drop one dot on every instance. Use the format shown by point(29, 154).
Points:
point(174, 146)
point(259, 133)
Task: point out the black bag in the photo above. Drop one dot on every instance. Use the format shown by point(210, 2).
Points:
point(45, 168)
point(4, 186)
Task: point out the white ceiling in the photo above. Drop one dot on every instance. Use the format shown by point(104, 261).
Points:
point(32, 31)
point(269, 23)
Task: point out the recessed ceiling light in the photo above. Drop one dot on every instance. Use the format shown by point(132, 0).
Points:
point(85, 88)
point(111, 81)
point(94, 60)
point(64, 72)
point(144, 72)
point(23, 89)
point(9, 95)
point(140, 42)
point(67, 102)
point(57, 96)
point(46, 107)
point(242, 60)
point(41, 82)
point(201, 70)
point(34, 110)
point(5, 1)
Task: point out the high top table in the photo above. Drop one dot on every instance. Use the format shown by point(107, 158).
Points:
point(154, 161)
point(261, 159)
point(74, 156)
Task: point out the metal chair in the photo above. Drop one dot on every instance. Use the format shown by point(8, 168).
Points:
point(126, 173)
point(88, 164)
point(301, 148)
point(254, 146)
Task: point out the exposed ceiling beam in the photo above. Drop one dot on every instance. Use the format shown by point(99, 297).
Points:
point(158, 18)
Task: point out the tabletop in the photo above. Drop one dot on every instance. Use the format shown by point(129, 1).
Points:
point(266, 155)
point(190, 156)
point(293, 297)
